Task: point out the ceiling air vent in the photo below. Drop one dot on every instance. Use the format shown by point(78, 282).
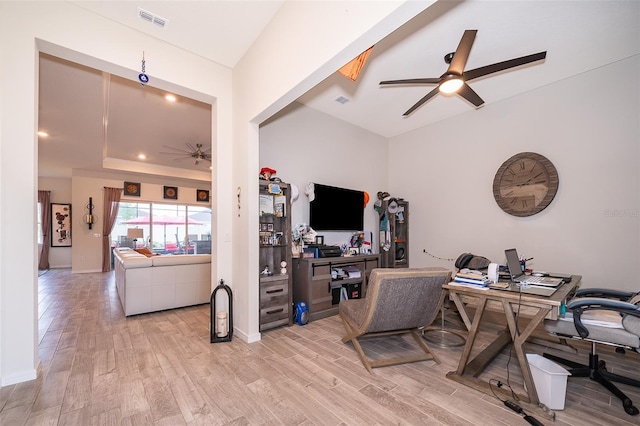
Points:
point(342, 99)
point(152, 18)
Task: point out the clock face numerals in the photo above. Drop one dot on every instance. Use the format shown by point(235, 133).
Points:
point(525, 184)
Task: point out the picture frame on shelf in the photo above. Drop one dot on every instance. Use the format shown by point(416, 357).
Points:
point(170, 193)
point(60, 225)
point(132, 189)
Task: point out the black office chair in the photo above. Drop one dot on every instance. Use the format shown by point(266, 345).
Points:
point(613, 319)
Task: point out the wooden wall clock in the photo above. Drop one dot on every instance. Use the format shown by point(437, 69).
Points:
point(525, 184)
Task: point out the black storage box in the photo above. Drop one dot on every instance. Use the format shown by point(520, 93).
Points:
point(353, 291)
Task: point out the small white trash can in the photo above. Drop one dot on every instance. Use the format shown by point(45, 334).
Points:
point(550, 379)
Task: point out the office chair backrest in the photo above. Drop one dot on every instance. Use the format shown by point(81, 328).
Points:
point(631, 323)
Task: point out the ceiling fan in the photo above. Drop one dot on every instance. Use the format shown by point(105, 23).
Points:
point(197, 153)
point(455, 79)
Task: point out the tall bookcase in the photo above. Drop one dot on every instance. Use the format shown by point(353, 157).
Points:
point(394, 234)
point(275, 247)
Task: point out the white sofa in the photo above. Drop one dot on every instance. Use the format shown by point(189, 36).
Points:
point(149, 284)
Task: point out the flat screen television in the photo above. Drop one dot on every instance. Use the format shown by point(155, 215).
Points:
point(336, 209)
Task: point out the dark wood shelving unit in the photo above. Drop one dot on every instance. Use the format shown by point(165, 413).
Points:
point(275, 247)
point(394, 250)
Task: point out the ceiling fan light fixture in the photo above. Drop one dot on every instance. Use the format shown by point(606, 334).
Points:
point(451, 84)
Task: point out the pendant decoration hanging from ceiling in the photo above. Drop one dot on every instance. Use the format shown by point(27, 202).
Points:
point(144, 78)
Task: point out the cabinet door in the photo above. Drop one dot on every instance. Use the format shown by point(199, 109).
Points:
point(320, 295)
point(321, 288)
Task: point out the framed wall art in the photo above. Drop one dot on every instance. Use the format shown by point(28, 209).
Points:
point(202, 195)
point(170, 193)
point(132, 189)
point(60, 225)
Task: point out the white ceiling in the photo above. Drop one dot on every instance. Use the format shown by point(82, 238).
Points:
point(578, 36)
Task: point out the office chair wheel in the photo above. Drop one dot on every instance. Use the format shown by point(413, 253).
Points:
point(629, 407)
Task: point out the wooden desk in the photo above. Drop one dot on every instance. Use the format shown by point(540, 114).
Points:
point(539, 307)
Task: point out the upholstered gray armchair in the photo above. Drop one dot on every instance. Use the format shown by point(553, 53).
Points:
point(603, 316)
point(397, 301)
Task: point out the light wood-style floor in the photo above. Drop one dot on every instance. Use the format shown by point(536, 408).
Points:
point(100, 368)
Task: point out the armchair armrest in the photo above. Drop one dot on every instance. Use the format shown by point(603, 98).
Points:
point(580, 305)
point(604, 293)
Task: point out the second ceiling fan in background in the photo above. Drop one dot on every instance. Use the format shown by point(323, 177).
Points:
point(455, 79)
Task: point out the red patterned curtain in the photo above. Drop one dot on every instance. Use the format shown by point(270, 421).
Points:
point(111, 206)
point(44, 198)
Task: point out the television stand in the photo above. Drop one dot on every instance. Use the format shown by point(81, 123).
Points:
point(321, 290)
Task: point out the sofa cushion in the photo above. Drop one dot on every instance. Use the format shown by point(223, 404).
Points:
point(140, 261)
point(128, 254)
point(180, 259)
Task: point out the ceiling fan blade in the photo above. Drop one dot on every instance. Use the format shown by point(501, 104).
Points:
point(177, 150)
point(418, 104)
point(469, 94)
point(181, 158)
point(501, 66)
point(413, 81)
point(462, 53)
point(174, 153)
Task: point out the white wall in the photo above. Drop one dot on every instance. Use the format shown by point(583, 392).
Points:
point(304, 145)
point(260, 89)
point(588, 126)
point(62, 28)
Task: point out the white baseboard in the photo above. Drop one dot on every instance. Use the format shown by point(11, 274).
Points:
point(23, 376)
point(246, 338)
point(85, 271)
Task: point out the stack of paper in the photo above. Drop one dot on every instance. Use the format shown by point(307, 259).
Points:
point(353, 271)
point(472, 278)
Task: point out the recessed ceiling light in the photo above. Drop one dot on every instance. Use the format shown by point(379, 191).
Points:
point(142, 156)
point(170, 98)
point(43, 134)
